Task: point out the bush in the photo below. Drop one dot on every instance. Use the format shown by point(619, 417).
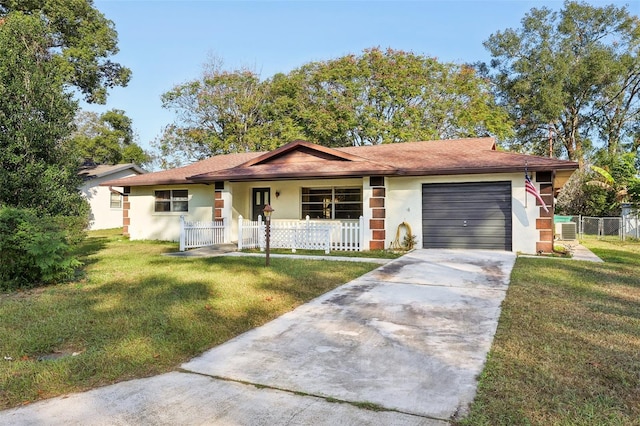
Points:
point(35, 249)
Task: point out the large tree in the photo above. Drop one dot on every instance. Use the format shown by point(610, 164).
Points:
point(376, 97)
point(49, 48)
point(571, 78)
point(80, 40)
point(106, 138)
point(220, 112)
point(36, 170)
point(394, 96)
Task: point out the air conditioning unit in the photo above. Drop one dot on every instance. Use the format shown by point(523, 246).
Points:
point(566, 231)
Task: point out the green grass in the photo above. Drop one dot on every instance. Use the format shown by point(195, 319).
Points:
point(567, 348)
point(134, 313)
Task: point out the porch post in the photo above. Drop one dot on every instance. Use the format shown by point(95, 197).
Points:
point(182, 233)
point(222, 208)
point(361, 233)
point(261, 233)
point(240, 233)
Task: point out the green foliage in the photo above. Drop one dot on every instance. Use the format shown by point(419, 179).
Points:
point(222, 112)
point(78, 39)
point(36, 170)
point(634, 192)
point(35, 249)
point(600, 190)
point(107, 138)
point(48, 47)
point(373, 98)
point(572, 75)
point(394, 96)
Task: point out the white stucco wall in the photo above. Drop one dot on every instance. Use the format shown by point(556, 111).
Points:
point(99, 197)
point(404, 204)
point(288, 204)
point(146, 224)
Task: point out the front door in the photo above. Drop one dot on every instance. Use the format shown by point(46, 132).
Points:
point(260, 198)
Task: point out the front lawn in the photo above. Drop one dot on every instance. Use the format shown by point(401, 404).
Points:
point(567, 349)
point(135, 313)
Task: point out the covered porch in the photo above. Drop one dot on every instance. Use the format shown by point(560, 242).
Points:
point(308, 214)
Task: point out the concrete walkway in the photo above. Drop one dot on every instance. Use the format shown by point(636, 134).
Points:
point(409, 339)
point(578, 252)
point(231, 250)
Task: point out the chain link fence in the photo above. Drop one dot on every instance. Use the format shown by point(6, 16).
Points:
point(611, 228)
point(631, 226)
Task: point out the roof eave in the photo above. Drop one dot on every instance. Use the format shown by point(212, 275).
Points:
point(290, 176)
point(123, 182)
point(481, 170)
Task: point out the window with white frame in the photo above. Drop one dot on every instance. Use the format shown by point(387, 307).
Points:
point(332, 203)
point(115, 201)
point(172, 200)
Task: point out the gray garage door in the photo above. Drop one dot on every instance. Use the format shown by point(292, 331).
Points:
point(467, 215)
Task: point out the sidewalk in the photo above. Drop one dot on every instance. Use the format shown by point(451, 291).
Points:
point(578, 252)
point(231, 250)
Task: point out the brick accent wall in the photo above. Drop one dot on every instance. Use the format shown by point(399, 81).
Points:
point(126, 220)
point(218, 205)
point(378, 213)
point(544, 223)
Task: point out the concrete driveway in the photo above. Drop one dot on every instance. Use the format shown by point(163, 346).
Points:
point(409, 339)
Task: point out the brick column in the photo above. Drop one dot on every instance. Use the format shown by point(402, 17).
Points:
point(218, 203)
point(378, 214)
point(218, 206)
point(544, 223)
point(126, 220)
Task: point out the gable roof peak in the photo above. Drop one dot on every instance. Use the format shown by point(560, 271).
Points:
point(302, 146)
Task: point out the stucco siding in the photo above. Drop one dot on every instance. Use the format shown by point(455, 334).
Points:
point(99, 197)
point(288, 204)
point(147, 224)
point(404, 204)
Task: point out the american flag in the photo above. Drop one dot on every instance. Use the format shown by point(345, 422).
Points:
point(531, 189)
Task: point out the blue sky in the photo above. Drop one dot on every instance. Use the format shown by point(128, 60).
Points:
point(165, 43)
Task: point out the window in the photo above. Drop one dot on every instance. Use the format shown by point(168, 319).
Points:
point(174, 200)
point(332, 203)
point(115, 201)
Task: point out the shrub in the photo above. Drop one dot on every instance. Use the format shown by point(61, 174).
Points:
point(35, 249)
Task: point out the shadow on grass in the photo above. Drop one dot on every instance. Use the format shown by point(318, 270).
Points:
point(89, 247)
point(566, 347)
point(121, 331)
point(138, 314)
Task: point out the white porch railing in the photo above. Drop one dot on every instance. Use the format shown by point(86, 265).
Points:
point(200, 234)
point(251, 233)
point(302, 234)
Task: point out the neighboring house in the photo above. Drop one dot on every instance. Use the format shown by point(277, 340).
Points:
point(453, 193)
point(106, 202)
